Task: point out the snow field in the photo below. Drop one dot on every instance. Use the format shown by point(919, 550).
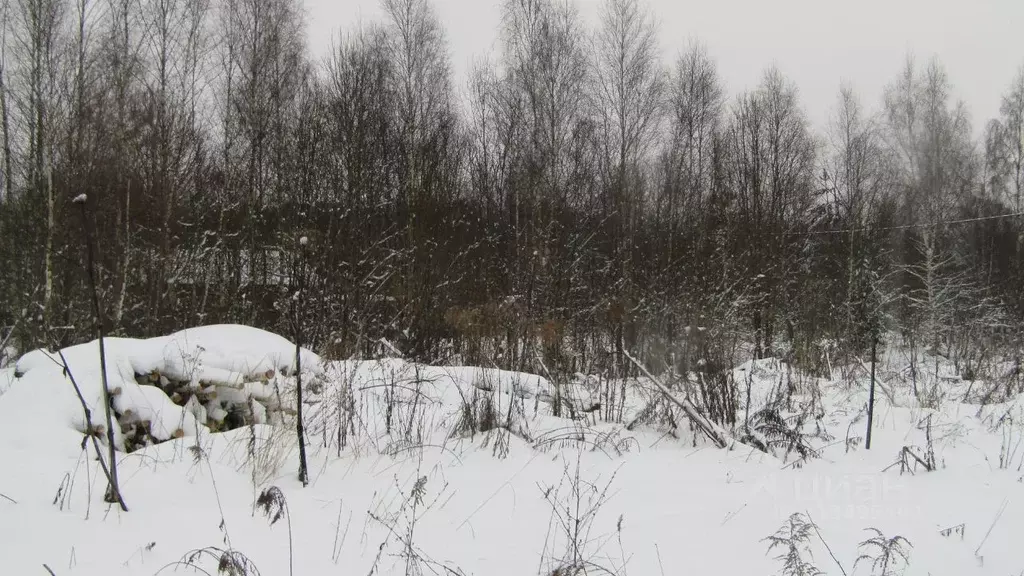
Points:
point(469, 473)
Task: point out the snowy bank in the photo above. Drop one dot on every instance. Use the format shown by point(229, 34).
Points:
point(161, 388)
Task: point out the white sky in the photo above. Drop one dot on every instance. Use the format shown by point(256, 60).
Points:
point(816, 43)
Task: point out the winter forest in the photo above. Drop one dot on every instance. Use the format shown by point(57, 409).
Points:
point(224, 260)
point(579, 198)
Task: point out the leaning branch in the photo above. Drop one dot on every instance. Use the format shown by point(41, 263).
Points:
point(705, 425)
point(90, 430)
point(909, 452)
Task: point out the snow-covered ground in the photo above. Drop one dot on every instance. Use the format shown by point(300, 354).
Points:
point(432, 470)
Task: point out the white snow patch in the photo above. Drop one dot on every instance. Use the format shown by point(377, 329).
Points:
point(676, 505)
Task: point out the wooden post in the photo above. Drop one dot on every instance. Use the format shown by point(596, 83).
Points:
point(113, 494)
point(871, 393)
point(296, 316)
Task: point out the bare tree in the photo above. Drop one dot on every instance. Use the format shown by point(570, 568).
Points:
point(587, 203)
point(931, 138)
point(858, 178)
point(935, 173)
point(38, 46)
point(629, 87)
point(771, 166)
point(174, 51)
point(5, 113)
point(122, 55)
point(425, 142)
point(359, 129)
point(547, 66)
point(482, 132)
point(264, 61)
point(695, 103)
point(1006, 145)
point(856, 162)
point(418, 51)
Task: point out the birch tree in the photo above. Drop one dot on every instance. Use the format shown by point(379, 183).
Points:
point(38, 47)
point(771, 174)
point(425, 118)
point(5, 114)
point(175, 51)
point(629, 87)
point(858, 180)
point(695, 102)
point(931, 139)
point(1007, 147)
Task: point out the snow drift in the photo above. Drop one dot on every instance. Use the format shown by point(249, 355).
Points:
point(161, 388)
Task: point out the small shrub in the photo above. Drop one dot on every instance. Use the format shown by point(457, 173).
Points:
point(794, 540)
point(275, 506)
point(575, 503)
point(888, 556)
point(769, 431)
point(229, 562)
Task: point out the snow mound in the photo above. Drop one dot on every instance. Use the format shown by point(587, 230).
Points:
point(224, 352)
point(166, 387)
point(230, 351)
point(427, 430)
point(392, 400)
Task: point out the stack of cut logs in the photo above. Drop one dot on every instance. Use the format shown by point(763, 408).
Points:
point(220, 405)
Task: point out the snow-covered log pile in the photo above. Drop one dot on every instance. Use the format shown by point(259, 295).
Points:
point(222, 377)
point(219, 377)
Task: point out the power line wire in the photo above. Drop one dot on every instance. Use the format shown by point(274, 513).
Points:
point(907, 226)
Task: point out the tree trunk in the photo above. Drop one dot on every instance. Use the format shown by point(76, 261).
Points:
point(48, 255)
point(5, 125)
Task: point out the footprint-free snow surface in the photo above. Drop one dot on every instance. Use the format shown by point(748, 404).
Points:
point(455, 470)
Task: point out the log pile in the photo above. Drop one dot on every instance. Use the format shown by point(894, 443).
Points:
point(223, 402)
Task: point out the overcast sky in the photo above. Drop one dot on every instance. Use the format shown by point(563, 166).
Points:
point(816, 43)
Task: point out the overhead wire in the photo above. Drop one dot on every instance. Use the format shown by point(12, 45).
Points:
point(907, 226)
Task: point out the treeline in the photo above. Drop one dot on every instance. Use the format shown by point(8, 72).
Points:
point(579, 199)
